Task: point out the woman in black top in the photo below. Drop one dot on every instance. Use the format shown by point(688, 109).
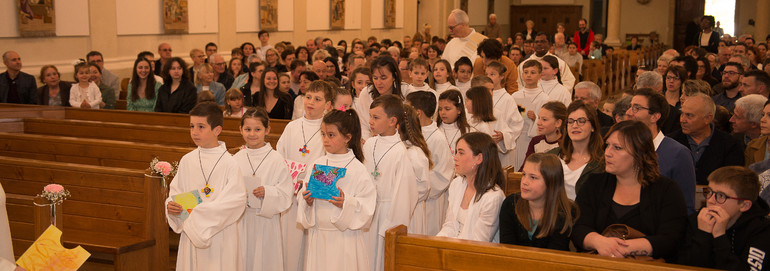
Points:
point(279, 105)
point(177, 94)
point(631, 192)
point(54, 91)
point(251, 89)
point(541, 215)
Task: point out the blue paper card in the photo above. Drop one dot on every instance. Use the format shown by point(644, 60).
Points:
point(323, 181)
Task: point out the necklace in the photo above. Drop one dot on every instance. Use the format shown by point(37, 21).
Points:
point(498, 100)
point(254, 171)
point(549, 90)
point(207, 190)
point(450, 141)
point(376, 172)
point(304, 150)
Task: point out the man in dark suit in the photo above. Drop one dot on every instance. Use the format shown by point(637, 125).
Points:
point(710, 148)
point(674, 159)
point(16, 86)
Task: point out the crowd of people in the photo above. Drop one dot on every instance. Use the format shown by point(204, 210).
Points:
point(453, 116)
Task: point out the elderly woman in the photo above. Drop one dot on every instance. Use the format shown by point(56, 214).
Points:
point(634, 193)
point(54, 92)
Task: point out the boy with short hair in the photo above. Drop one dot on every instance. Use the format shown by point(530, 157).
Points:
point(418, 72)
point(531, 98)
point(483, 81)
point(510, 122)
point(443, 166)
point(733, 230)
point(463, 69)
point(264, 39)
point(209, 236)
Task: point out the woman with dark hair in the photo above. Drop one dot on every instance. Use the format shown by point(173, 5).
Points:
point(177, 94)
point(704, 71)
point(108, 94)
point(143, 89)
point(279, 105)
point(674, 80)
point(344, 45)
point(581, 147)
point(434, 54)
point(253, 84)
point(332, 71)
point(54, 92)
point(632, 192)
point(386, 79)
point(475, 195)
point(302, 54)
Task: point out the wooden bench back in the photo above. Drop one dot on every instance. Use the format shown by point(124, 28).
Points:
point(109, 208)
point(97, 152)
point(420, 252)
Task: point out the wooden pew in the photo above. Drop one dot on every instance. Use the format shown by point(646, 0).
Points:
point(116, 214)
point(512, 183)
point(97, 152)
point(420, 252)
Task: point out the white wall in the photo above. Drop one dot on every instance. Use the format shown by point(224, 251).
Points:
point(71, 18)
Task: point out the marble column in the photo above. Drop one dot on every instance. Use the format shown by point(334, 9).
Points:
point(613, 24)
point(762, 21)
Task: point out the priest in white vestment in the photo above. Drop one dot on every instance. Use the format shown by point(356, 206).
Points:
point(466, 40)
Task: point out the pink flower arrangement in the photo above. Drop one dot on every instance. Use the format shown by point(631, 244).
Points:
point(53, 188)
point(55, 193)
point(163, 167)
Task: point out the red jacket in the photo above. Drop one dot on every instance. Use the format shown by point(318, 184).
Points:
point(585, 50)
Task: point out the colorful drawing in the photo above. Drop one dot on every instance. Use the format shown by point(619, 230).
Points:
point(175, 14)
point(323, 181)
point(188, 201)
point(295, 168)
point(337, 15)
point(37, 18)
point(47, 253)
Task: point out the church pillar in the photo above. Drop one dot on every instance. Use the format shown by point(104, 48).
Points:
point(613, 23)
point(762, 24)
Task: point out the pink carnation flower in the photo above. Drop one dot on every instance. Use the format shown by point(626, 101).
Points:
point(163, 167)
point(53, 188)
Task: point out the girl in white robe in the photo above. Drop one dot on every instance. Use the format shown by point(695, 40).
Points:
point(452, 120)
point(269, 190)
point(550, 81)
point(475, 217)
point(210, 235)
point(483, 119)
point(387, 161)
point(301, 142)
point(419, 154)
point(335, 239)
point(442, 77)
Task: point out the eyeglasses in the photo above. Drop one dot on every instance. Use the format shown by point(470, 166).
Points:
point(635, 108)
point(720, 197)
point(672, 78)
point(452, 27)
point(165, 50)
point(579, 121)
point(731, 73)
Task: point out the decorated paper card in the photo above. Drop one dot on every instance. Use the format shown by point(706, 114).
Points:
point(47, 253)
point(323, 181)
point(188, 201)
point(295, 168)
point(252, 182)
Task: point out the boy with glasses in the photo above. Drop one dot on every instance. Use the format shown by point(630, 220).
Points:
point(733, 230)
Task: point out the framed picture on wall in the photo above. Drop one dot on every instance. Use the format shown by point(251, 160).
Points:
point(37, 18)
point(337, 15)
point(268, 15)
point(390, 13)
point(175, 14)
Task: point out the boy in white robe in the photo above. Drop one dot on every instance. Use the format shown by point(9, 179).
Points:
point(301, 142)
point(209, 236)
point(507, 114)
point(386, 160)
point(269, 190)
point(441, 155)
point(418, 72)
point(463, 70)
point(531, 97)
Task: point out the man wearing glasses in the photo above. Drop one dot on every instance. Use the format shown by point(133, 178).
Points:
point(731, 84)
point(465, 39)
point(164, 51)
point(220, 70)
point(732, 231)
point(674, 159)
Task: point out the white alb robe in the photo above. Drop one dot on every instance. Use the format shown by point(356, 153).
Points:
point(452, 133)
point(556, 92)
point(421, 167)
point(396, 191)
point(424, 87)
point(466, 46)
point(262, 246)
point(299, 107)
point(288, 146)
point(510, 123)
point(463, 87)
point(6, 246)
point(210, 235)
point(362, 104)
point(440, 88)
point(567, 78)
point(440, 176)
point(482, 220)
point(530, 99)
point(335, 239)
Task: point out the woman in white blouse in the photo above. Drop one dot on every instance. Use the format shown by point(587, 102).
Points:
point(475, 195)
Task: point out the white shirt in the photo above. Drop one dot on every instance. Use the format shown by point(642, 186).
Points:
point(567, 78)
point(658, 139)
point(465, 46)
point(570, 178)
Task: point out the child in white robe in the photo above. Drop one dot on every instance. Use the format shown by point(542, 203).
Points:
point(442, 77)
point(452, 120)
point(335, 239)
point(419, 154)
point(441, 156)
point(269, 190)
point(387, 161)
point(475, 217)
point(301, 142)
point(209, 236)
point(482, 119)
point(463, 69)
point(506, 113)
point(531, 98)
point(418, 72)
point(550, 81)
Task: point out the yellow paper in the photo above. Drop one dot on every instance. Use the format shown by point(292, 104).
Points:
point(47, 253)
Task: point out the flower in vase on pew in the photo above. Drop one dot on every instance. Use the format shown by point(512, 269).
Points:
point(163, 168)
point(55, 193)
